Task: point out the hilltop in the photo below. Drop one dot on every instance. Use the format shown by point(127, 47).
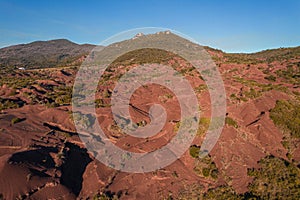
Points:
point(43, 54)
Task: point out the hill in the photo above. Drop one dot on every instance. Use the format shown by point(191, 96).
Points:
point(43, 54)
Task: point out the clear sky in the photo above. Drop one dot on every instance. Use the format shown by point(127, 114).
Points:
point(233, 26)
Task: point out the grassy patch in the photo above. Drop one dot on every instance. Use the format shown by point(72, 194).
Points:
point(203, 125)
point(143, 56)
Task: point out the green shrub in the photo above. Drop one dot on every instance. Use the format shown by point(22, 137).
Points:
point(15, 120)
point(231, 122)
point(192, 191)
point(177, 126)
point(270, 78)
point(194, 151)
point(233, 96)
point(206, 172)
point(63, 100)
point(201, 88)
point(206, 167)
point(203, 125)
point(214, 173)
point(222, 193)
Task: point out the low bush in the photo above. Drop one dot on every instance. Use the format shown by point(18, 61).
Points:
point(15, 120)
point(194, 151)
point(270, 78)
point(203, 125)
point(206, 172)
point(231, 122)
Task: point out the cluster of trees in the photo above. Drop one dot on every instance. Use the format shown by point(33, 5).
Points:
point(276, 178)
point(7, 103)
point(286, 114)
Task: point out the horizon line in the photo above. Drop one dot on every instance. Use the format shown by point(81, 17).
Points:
point(204, 45)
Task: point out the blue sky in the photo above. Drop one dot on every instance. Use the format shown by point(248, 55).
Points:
point(233, 26)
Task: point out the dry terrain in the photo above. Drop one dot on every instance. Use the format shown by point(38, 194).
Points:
point(257, 155)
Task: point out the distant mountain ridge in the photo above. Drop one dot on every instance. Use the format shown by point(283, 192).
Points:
point(43, 54)
point(62, 52)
